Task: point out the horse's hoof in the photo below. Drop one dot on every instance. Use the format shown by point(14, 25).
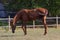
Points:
point(45, 33)
point(25, 34)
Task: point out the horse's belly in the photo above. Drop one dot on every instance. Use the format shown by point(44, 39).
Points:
point(24, 18)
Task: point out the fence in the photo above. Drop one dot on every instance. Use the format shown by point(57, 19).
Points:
point(33, 21)
point(51, 19)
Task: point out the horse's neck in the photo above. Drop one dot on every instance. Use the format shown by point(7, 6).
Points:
point(15, 19)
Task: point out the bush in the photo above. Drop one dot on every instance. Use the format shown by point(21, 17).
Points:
point(3, 23)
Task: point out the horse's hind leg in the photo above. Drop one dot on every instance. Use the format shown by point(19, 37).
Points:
point(45, 25)
point(24, 28)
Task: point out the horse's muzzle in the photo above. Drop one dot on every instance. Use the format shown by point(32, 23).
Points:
point(13, 31)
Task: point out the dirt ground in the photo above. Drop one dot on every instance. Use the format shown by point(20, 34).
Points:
point(32, 34)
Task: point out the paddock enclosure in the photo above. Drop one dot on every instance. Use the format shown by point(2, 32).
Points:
point(32, 33)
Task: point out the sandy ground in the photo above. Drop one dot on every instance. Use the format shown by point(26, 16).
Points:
point(32, 34)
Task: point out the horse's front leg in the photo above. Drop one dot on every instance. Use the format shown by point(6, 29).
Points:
point(24, 28)
point(45, 25)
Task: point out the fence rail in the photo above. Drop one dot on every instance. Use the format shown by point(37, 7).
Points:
point(34, 21)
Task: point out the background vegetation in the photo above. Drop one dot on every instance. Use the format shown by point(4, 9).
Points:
point(52, 5)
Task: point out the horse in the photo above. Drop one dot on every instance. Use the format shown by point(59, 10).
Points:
point(29, 14)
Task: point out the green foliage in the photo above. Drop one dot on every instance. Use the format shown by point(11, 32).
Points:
point(3, 23)
point(52, 5)
point(0, 23)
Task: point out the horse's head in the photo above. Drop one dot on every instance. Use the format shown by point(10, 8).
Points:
point(12, 26)
point(11, 23)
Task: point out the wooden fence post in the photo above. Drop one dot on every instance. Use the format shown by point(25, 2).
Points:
point(56, 21)
point(9, 22)
point(33, 23)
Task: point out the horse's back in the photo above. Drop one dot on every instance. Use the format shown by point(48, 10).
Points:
point(30, 14)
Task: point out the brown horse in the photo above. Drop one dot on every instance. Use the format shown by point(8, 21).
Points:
point(29, 14)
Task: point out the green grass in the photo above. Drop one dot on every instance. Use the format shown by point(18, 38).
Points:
point(32, 34)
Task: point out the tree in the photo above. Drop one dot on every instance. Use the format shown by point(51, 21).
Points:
point(52, 5)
